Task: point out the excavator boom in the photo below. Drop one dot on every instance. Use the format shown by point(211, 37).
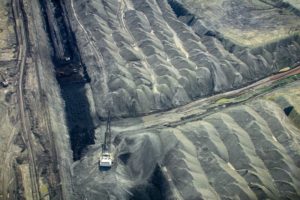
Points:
point(106, 158)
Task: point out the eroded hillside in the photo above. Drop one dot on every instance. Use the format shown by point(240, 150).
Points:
point(156, 55)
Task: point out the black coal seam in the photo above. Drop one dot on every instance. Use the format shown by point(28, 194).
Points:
point(288, 110)
point(46, 23)
point(73, 36)
point(156, 188)
point(63, 29)
point(79, 120)
point(178, 8)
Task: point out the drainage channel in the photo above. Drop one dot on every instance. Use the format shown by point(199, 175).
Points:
point(71, 75)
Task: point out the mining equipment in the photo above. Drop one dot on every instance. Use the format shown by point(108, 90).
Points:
point(3, 82)
point(67, 59)
point(106, 159)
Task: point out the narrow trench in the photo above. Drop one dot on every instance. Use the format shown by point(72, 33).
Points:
point(178, 9)
point(71, 75)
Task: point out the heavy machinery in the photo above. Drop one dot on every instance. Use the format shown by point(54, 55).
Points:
point(106, 159)
point(3, 81)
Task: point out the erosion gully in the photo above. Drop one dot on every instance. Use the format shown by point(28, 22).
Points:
point(71, 75)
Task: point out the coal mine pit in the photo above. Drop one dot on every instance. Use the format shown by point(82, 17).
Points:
point(71, 75)
point(149, 99)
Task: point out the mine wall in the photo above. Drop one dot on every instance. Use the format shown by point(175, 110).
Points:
point(50, 91)
point(276, 54)
point(63, 91)
point(71, 75)
point(50, 66)
point(94, 63)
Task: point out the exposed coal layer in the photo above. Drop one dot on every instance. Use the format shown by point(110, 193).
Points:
point(154, 189)
point(71, 75)
point(78, 117)
point(288, 110)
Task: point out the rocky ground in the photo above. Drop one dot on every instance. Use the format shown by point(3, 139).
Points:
point(196, 113)
point(9, 125)
point(156, 55)
point(248, 151)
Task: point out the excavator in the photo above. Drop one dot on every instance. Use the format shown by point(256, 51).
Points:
point(106, 160)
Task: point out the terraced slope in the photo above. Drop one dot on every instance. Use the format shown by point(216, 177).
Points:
point(145, 56)
point(246, 151)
